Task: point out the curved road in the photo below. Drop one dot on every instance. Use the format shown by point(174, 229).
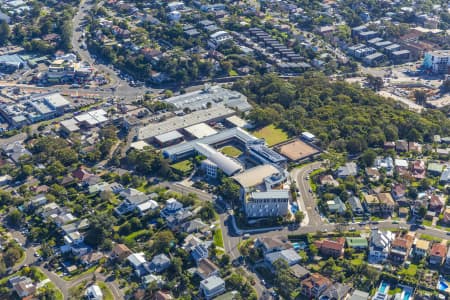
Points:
point(121, 87)
point(312, 222)
point(63, 285)
point(306, 200)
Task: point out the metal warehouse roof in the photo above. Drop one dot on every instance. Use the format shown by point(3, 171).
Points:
point(214, 95)
point(200, 130)
point(169, 136)
point(178, 122)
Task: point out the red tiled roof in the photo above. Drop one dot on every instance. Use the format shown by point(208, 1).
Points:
point(438, 250)
point(317, 279)
point(337, 245)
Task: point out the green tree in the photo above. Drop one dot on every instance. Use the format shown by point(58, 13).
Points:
point(4, 33)
point(420, 96)
point(375, 82)
point(12, 255)
point(15, 217)
point(163, 240)
point(299, 216)
point(229, 190)
point(368, 157)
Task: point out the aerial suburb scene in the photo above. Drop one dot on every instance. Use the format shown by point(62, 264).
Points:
point(224, 149)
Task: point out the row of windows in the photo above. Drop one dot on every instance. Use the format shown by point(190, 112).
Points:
point(280, 200)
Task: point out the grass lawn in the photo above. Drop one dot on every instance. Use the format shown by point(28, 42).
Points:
point(411, 271)
point(430, 238)
point(58, 293)
point(218, 241)
point(357, 261)
point(77, 275)
point(107, 295)
point(232, 73)
point(271, 134)
point(427, 222)
point(135, 235)
point(184, 166)
point(231, 151)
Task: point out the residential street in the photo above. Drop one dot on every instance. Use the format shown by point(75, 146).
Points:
point(306, 200)
point(63, 285)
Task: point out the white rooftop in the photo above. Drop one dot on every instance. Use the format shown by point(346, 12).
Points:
point(200, 130)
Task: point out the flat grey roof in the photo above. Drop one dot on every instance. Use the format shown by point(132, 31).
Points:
point(169, 136)
point(393, 46)
point(13, 59)
point(200, 130)
point(255, 176)
point(178, 122)
point(374, 56)
point(70, 124)
point(212, 282)
point(224, 135)
point(272, 194)
point(214, 95)
point(400, 52)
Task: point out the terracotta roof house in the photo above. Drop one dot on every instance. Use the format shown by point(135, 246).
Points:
point(414, 147)
point(446, 218)
point(314, 285)
point(206, 268)
point(91, 258)
point(418, 169)
point(328, 180)
point(162, 295)
point(437, 254)
point(398, 191)
point(400, 248)
point(389, 145)
point(401, 146)
point(436, 203)
point(373, 174)
point(334, 248)
point(120, 252)
point(81, 174)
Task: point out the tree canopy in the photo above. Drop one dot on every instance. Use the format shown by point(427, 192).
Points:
point(343, 116)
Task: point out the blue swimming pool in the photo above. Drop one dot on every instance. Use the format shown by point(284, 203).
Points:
point(294, 208)
point(407, 295)
point(383, 287)
point(296, 246)
point(442, 285)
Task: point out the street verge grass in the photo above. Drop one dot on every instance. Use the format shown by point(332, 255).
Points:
point(218, 240)
point(107, 294)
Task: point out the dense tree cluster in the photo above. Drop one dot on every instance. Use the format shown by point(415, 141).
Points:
point(343, 116)
point(149, 162)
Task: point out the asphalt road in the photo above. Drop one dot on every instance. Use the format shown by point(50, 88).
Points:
point(306, 200)
point(184, 190)
point(63, 285)
point(121, 87)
